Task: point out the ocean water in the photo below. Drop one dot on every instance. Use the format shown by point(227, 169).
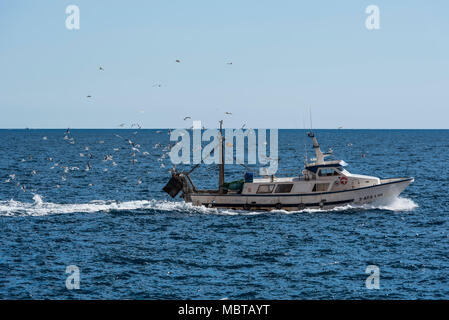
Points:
point(131, 241)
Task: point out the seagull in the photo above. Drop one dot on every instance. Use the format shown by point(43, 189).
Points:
point(33, 172)
point(229, 63)
point(230, 113)
point(158, 85)
point(121, 125)
point(178, 61)
point(89, 96)
point(24, 188)
point(101, 68)
point(130, 142)
point(44, 138)
point(187, 118)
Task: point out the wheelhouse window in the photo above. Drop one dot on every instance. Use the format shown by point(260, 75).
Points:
point(327, 172)
point(320, 187)
point(283, 188)
point(265, 188)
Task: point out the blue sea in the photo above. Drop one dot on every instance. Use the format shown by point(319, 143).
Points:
point(130, 240)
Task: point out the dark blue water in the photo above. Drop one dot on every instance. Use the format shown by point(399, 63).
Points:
point(130, 241)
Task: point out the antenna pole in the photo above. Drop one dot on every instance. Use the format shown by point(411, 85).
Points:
point(221, 175)
point(310, 114)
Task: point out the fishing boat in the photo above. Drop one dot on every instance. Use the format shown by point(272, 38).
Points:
point(322, 185)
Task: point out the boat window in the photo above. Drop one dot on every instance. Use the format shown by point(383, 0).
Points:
point(328, 172)
point(320, 187)
point(283, 188)
point(265, 188)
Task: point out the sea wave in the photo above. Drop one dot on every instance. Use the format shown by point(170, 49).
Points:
point(42, 208)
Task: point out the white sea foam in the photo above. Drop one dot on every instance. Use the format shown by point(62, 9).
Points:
point(395, 204)
point(41, 208)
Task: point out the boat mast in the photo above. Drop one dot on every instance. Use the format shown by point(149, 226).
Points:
point(319, 155)
point(221, 175)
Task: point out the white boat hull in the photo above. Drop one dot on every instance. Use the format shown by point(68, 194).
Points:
point(387, 189)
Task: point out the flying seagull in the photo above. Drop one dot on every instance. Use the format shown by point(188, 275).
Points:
point(101, 68)
point(187, 118)
point(178, 61)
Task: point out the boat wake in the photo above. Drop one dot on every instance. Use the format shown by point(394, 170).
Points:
point(41, 208)
point(397, 204)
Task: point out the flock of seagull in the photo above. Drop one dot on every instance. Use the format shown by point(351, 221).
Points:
point(87, 155)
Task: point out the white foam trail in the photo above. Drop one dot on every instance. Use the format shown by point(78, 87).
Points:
point(395, 204)
point(41, 208)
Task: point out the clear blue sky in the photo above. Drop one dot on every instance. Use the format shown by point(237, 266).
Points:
point(286, 55)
